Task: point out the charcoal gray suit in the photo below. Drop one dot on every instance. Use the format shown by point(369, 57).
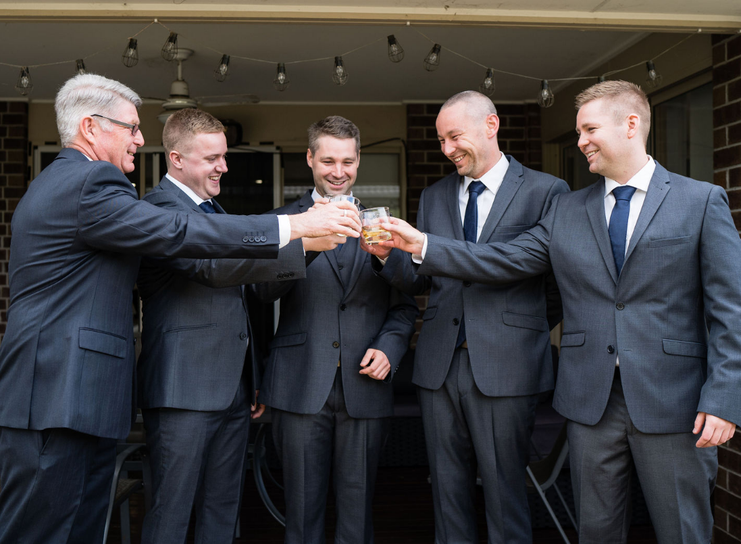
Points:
point(328, 418)
point(197, 374)
point(478, 403)
point(672, 315)
point(67, 359)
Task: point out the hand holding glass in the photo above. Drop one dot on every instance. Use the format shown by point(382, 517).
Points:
point(344, 198)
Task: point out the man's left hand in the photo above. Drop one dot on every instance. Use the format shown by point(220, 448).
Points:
point(375, 364)
point(715, 431)
point(257, 409)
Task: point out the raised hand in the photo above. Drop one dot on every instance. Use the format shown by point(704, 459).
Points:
point(323, 243)
point(324, 219)
point(403, 236)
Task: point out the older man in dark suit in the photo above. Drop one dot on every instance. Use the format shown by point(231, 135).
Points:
point(647, 263)
point(484, 353)
point(67, 359)
point(342, 333)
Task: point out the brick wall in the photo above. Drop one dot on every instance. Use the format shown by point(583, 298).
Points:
point(727, 166)
point(519, 136)
point(13, 170)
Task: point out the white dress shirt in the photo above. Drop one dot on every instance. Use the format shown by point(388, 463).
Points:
point(493, 181)
point(284, 224)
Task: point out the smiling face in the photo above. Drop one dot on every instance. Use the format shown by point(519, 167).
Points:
point(468, 140)
point(201, 163)
point(116, 144)
point(334, 165)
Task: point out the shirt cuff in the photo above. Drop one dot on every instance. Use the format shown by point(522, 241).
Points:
point(284, 228)
point(419, 258)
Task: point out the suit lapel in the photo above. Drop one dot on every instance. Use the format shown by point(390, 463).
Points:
point(510, 185)
point(596, 211)
point(304, 204)
point(658, 188)
point(453, 188)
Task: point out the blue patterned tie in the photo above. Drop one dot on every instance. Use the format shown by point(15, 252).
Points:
point(207, 207)
point(619, 223)
point(470, 231)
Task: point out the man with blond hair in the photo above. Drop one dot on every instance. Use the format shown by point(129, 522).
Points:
point(67, 358)
point(647, 263)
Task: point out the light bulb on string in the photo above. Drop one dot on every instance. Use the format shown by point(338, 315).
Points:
point(80, 67)
point(601, 79)
point(396, 53)
point(339, 75)
point(170, 49)
point(654, 78)
point(130, 55)
point(432, 60)
point(488, 86)
point(24, 85)
point(222, 72)
point(545, 97)
point(281, 81)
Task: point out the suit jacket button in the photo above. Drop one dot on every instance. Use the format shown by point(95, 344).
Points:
point(245, 239)
point(466, 284)
point(291, 274)
point(252, 239)
point(340, 267)
point(620, 306)
point(281, 275)
point(335, 344)
point(263, 238)
point(243, 336)
point(343, 307)
point(456, 321)
point(610, 349)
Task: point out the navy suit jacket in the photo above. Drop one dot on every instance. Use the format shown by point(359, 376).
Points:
point(196, 330)
point(507, 327)
point(338, 311)
point(672, 315)
point(67, 359)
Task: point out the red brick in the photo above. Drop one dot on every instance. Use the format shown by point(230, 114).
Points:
point(415, 134)
point(533, 132)
point(16, 156)
point(511, 109)
point(415, 109)
point(516, 122)
point(13, 118)
point(16, 132)
point(17, 180)
point(431, 134)
point(14, 143)
point(727, 115)
point(18, 107)
point(423, 145)
point(734, 90)
point(13, 168)
point(424, 169)
point(519, 156)
point(720, 137)
point(729, 460)
point(511, 133)
point(433, 109)
point(719, 53)
point(719, 95)
point(734, 177)
point(715, 39)
point(721, 518)
point(734, 47)
point(721, 537)
point(734, 199)
point(734, 526)
point(734, 485)
point(728, 71)
point(733, 444)
point(727, 157)
point(3, 107)
point(416, 156)
point(734, 134)
point(516, 145)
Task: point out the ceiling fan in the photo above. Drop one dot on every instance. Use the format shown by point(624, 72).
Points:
point(180, 93)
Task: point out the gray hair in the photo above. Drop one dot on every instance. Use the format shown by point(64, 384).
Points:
point(84, 95)
point(477, 104)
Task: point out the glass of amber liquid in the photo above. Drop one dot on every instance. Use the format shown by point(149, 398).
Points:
point(371, 219)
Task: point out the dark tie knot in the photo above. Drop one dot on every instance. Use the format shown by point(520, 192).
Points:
point(623, 193)
point(476, 187)
point(207, 207)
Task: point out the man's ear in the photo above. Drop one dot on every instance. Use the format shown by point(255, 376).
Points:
point(634, 125)
point(309, 158)
point(176, 159)
point(492, 125)
point(88, 129)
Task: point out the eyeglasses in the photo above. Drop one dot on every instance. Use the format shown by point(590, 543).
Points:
point(134, 128)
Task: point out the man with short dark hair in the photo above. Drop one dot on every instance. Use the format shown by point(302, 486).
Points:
point(341, 336)
point(649, 376)
point(67, 358)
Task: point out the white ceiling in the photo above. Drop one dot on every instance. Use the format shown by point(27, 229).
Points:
point(543, 39)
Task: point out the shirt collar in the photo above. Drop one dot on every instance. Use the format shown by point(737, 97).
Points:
point(640, 180)
point(493, 178)
point(316, 196)
point(187, 190)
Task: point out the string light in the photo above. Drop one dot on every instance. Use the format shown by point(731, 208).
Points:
point(488, 86)
point(545, 97)
point(601, 79)
point(170, 49)
point(654, 78)
point(281, 81)
point(432, 60)
point(396, 53)
point(24, 85)
point(130, 55)
point(80, 67)
point(339, 75)
point(222, 72)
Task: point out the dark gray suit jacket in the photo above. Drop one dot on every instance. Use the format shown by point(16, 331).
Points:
point(507, 327)
point(196, 329)
point(672, 315)
point(335, 312)
point(67, 359)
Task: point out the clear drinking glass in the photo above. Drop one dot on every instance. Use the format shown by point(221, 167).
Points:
point(371, 218)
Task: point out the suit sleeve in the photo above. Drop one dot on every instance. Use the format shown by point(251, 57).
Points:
point(554, 307)
point(495, 263)
point(111, 218)
point(225, 272)
point(720, 262)
point(393, 338)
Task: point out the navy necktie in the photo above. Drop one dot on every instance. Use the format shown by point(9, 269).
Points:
point(470, 231)
point(207, 207)
point(619, 223)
